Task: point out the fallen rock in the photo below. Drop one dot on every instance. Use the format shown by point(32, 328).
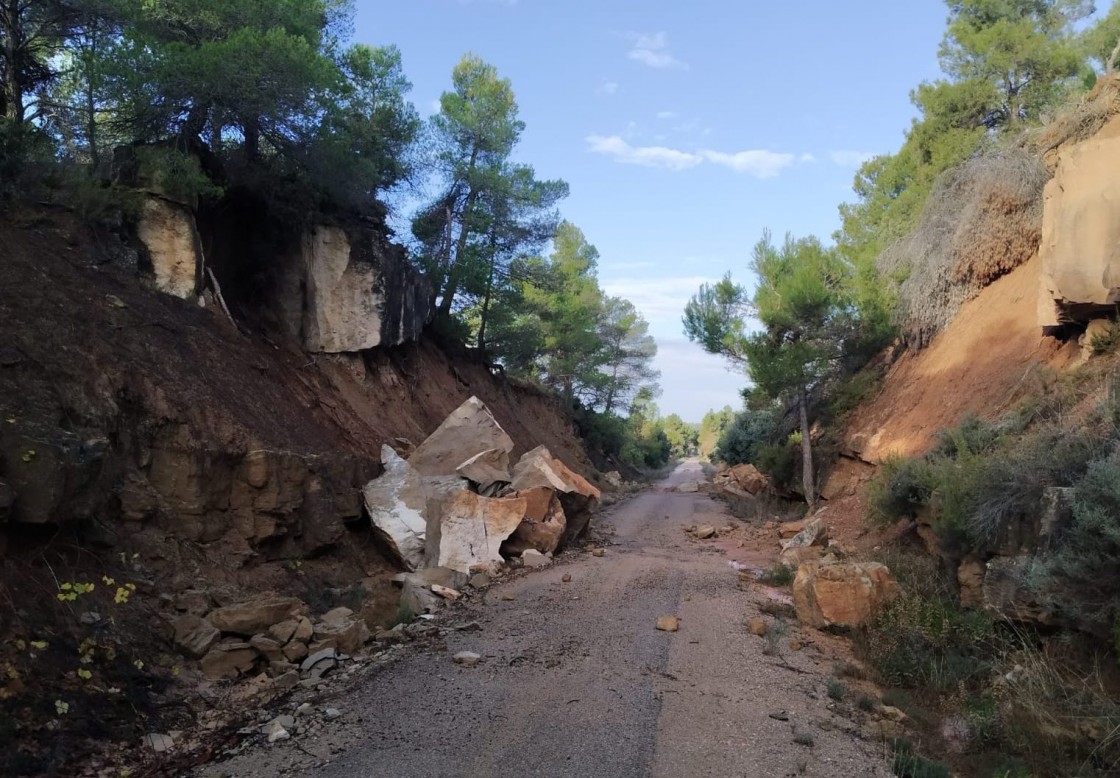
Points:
point(397, 504)
point(566, 578)
point(195, 636)
point(296, 651)
point(473, 528)
point(446, 593)
point(469, 431)
point(749, 479)
point(533, 558)
point(488, 471)
point(846, 594)
point(704, 532)
point(614, 478)
point(799, 555)
point(689, 487)
point(330, 714)
point(249, 618)
point(284, 631)
point(507, 598)
point(789, 529)
point(269, 647)
point(579, 499)
point(597, 552)
point(758, 626)
point(277, 732)
point(228, 660)
point(319, 664)
point(814, 534)
point(543, 526)
point(467, 658)
point(480, 581)
point(347, 634)
point(668, 623)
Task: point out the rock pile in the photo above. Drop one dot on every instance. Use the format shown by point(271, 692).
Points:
point(455, 504)
point(274, 634)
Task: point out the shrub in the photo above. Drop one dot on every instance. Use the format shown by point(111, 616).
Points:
point(836, 690)
point(779, 461)
point(777, 575)
point(741, 442)
point(907, 764)
point(899, 489)
point(1082, 578)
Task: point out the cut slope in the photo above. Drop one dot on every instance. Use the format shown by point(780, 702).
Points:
point(976, 365)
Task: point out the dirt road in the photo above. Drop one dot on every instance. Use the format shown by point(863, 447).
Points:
point(575, 680)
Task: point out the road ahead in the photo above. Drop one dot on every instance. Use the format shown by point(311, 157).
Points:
point(577, 682)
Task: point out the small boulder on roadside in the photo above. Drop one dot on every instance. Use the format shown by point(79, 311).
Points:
point(704, 532)
point(668, 623)
point(228, 659)
point(254, 616)
point(194, 635)
point(466, 658)
point(758, 626)
point(846, 594)
point(815, 533)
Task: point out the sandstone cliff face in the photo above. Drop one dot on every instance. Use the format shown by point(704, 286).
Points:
point(346, 291)
point(1080, 250)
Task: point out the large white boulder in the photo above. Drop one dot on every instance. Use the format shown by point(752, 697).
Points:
point(169, 234)
point(470, 430)
point(538, 468)
point(473, 528)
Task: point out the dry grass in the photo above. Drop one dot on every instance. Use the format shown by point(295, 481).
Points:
point(1082, 119)
point(982, 220)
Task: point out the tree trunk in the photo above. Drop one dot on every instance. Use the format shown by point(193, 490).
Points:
point(13, 88)
point(486, 308)
point(451, 283)
point(808, 483)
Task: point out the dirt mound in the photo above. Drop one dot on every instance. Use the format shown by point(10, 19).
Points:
point(976, 365)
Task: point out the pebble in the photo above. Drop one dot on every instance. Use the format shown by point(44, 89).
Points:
point(467, 658)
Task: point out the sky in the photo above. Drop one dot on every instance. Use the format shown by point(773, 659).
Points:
point(685, 129)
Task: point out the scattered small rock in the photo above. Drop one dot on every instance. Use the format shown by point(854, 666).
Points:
point(446, 592)
point(758, 626)
point(304, 708)
point(705, 532)
point(480, 580)
point(668, 623)
point(794, 644)
point(533, 558)
point(467, 658)
point(330, 714)
point(566, 578)
point(598, 552)
point(780, 715)
point(277, 732)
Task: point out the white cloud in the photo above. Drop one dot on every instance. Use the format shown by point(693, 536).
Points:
point(660, 300)
point(435, 107)
point(647, 156)
point(607, 88)
point(807, 158)
point(849, 158)
point(759, 163)
point(653, 50)
point(666, 114)
point(694, 382)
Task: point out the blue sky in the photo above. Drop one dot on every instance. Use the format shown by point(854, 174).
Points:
point(684, 128)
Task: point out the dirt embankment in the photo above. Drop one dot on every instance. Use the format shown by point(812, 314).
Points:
point(147, 440)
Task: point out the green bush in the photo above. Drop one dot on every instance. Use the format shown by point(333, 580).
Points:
point(779, 461)
point(741, 442)
point(899, 489)
point(1082, 579)
point(777, 575)
point(907, 764)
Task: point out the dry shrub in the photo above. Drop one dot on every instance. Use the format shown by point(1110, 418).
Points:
point(1082, 119)
point(982, 220)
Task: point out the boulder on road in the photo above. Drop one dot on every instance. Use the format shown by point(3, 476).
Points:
point(473, 527)
point(469, 431)
point(749, 479)
point(846, 594)
point(488, 471)
point(403, 507)
point(579, 499)
point(543, 526)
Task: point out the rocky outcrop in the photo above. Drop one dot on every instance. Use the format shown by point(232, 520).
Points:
point(346, 291)
point(1080, 248)
point(174, 250)
point(843, 594)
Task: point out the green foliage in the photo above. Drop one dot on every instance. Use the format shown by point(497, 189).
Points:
point(712, 428)
point(742, 442)
point(777, 575)
point(1083, 577)
point(924, 641)
point(1102, 40)
point(682, 437)
point(836, 690)
point(779, 461)
point(866, 704)
point(899, 489)
point(175, 174)
point(907, 764)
